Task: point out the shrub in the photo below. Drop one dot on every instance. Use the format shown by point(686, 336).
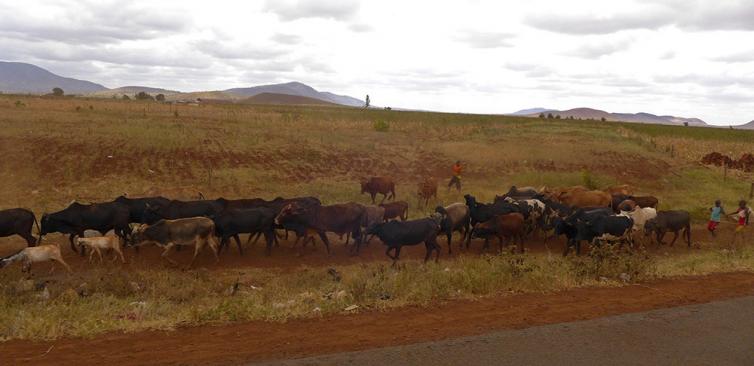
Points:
point(609, 261)
point(58, 92)
point(381, 126)
point(587, 180)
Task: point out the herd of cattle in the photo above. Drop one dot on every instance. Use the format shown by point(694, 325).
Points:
point(580, 214)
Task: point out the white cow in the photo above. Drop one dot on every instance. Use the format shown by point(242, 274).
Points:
point(640, 216)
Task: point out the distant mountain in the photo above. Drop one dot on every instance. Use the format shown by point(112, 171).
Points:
point(596, 114)
point(524, 112)
point(274, 98)
point(296, 88)
point(18, 77)
point(747, 126)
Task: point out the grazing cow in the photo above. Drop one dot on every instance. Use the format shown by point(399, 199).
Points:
point(340, 219)
point(586, 199)
point(481, 212)
point(374, 215)
point(196, 231)
point(97, 243)
point(456, 218)
point(137, 207)
point(76, 218)
point(230, 223)
point(176, 209)
point(640, 216)
point(573, 227)
point(427, 190)
point(665, 221)
point(509, 226)
point(382, 185)
point(623, 189)
point(18, 221)
point(395, 210)
point(645, 201)
point(396, 234)
point(40, 253)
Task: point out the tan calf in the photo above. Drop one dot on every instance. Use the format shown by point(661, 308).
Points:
point(97, 243)
point(40, 253)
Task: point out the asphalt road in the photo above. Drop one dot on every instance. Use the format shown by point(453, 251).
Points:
point(718, 333)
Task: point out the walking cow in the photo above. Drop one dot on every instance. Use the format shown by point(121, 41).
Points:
point(18, 221)
point(382, 185)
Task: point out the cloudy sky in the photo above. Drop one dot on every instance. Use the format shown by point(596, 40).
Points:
point(692, 58)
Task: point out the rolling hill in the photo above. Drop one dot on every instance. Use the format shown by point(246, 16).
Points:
point(274, 98)
point(131, 91)
point(746, 126)
point(19, 77)
point(590, 113)
point(299, 89)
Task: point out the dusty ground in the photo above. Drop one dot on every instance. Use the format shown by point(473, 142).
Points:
point(260, 341)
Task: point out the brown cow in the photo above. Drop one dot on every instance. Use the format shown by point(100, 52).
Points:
point(557, 192)
point(394, 210)
point(427, 190)
point(626, 205)
point(645, 201)
point(586, 199)
point(345, 218)
point(509, 226)
point(381, 185)
point(623, 189)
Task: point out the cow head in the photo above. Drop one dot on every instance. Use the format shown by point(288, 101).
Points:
point(288, 212)
point(137, 233)
point(650, 226)
point(437, 218)
point(470, 200)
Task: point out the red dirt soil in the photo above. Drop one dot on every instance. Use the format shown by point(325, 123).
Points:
point(257, 341)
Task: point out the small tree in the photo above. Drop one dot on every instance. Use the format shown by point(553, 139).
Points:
point(603, 119)
point(57, 92)
point(549, 115)
point(557, 117)
point(126, 97)
point(367, 102)
point(143, 96)
point(542, 115)
point(160, 97)
point(686, 124)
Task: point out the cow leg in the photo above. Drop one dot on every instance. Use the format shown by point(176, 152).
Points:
point(323, 236)
point(688, 235)
point(214, 246)
point(165, 252)
point(60, 260)
point(675, 237)
point(387, 252)
point(120, 253)
point(397, 254)
point(91, 255)
point(660, 236)
point(269, 238)
point(238, 243)
point(99, 254)
point(384, 196)
point(449, 235)
point(373, 196)
point(73, 247)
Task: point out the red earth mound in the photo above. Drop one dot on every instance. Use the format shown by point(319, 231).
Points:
point(745, 163)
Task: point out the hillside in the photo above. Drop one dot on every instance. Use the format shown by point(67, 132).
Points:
point(296, 88)
point(274, 98)
point(131, 91)
point(18, 77)
point(747, 126)
point(596, 114)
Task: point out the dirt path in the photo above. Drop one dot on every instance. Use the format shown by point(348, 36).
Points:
point(288, 257)
point(717, 333)
point(258, 341)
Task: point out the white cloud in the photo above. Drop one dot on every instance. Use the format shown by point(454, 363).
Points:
point(683, 57)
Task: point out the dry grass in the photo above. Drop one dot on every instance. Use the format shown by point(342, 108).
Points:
point(55, 152)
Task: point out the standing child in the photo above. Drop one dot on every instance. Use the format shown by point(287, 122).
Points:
point(742, 219)
point(716, 213)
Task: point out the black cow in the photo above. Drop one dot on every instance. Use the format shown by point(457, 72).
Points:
point(665, 221)
point(523, 193)
point(18, 221)
point(576, 229)
point(396, 234)
point(176, 209)
point(481, 212)
point(76, 218)
point(456, 218)
point(250, 221)
point(137, 207)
